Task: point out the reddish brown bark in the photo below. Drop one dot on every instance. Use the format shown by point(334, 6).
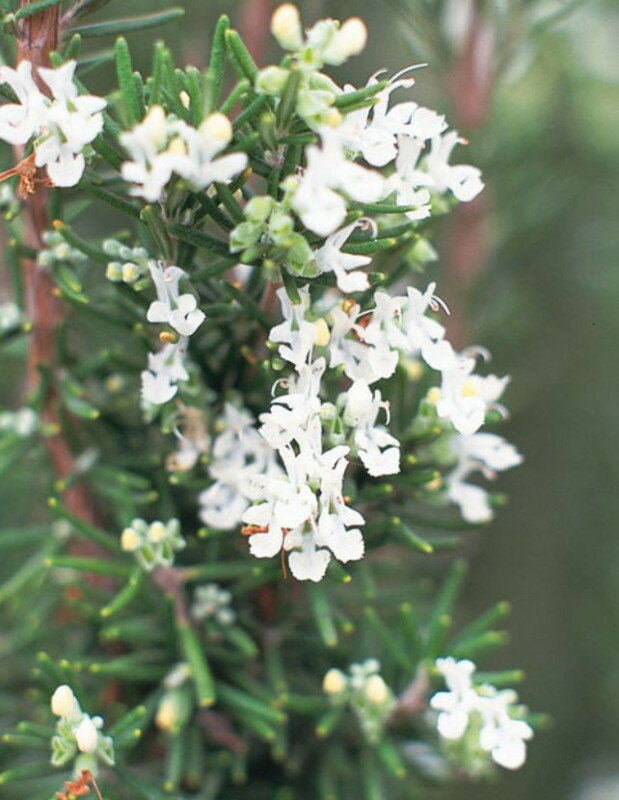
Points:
point(38, 36)
point(471, 84)
point(254, 26)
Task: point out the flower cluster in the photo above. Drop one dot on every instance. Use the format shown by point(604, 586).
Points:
point(58, 251)
point(480, 713)
point(162, 146)
point(365, 690)
point(327, 42)
point(130, 264)
point(77, 732)
point(153, 544)
point(487, 453)
point(60, 125)
point(239, 455)
point(10, 317)
point(212, 602)
point(23, 422)
point(180, 311)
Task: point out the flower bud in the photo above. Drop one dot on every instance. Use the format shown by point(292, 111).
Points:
point(376, 690)
point(332, 118)
point(177, 147)
point(130, 272)
point(114, 271)
point(185, 99)
point(216, 129)
point(156, 532)
point(154, 125)
point(271, 80)
point(286, 27)
point(322, 333)
point(353, 36)
point(64, 702)
point(130, 540)
point(348, 41)
point(434, 395)
point(173, 711)
point(86, 735)
point(334, 682)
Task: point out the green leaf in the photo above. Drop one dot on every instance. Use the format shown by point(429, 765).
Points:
point(128, 24)
point(98, 566)
point(98, 535)
point(80, 244)
point(240, 56)
point(288, 100)
point(217, 59)
point(112, 199)
point(352, 98)
point(132, 105)
point(193, 651)
point(321, 609)
point(126, 594)
point(201, 239)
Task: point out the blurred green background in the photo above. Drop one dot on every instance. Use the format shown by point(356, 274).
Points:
point(531, 273)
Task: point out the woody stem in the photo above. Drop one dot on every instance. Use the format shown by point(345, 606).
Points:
point(38, 36)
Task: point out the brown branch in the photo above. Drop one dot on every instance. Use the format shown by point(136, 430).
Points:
point(254, 26)
point(471, 83)
point(38, 36)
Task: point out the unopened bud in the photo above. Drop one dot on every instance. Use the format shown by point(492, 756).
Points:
point(332, 118)
point(216, 128)
point(322, 333)
point(348, 41)
point(353, 36)
point(286, 27)
point(154, 125)
point(334, 682)
point(177, 147)
point(156, 532)
point(185, 99)
point(434, 395)
point(376, 690)
point(130, 540)
point(64, 702)
point(86, 736)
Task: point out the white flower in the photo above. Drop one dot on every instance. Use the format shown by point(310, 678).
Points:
point(373, 131)
point(165, 369)
point(316, 200)
point(199, 166)
point(407, 179)
point(20, 121)
point(456, 704)
point(501, 735)
point(72, 121)
point(161, 146)
point(288, 504)
point(295, 331)
point(329, 258)
point(465, 398)
point(239, 455)
point(483, 452)
point(180, 311)
point(307, 563)
point(64, 123)
point(378, 450)
point(462, 180)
